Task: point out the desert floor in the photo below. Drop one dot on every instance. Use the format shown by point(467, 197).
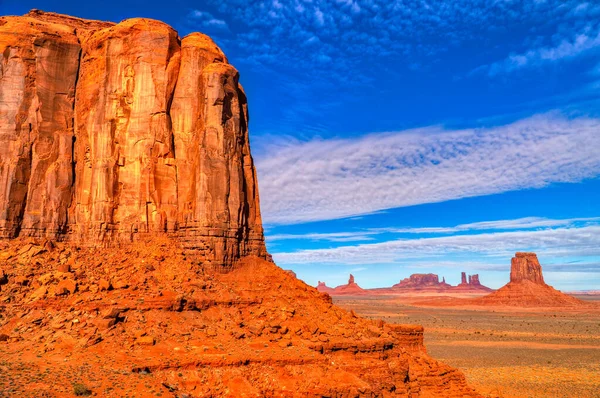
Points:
point(505, 352)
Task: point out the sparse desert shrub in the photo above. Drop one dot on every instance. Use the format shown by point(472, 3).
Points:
point(81, 390)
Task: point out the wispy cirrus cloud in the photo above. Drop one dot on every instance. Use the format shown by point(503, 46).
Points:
point(208, 21)
point(336, 178)
point(559, 242)
point(330, 237)
point(568, 48)
point(497, 225)
point(520, 223)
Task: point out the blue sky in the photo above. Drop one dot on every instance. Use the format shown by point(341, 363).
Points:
point(394, 137)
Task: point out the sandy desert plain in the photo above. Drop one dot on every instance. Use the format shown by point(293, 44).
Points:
point(504, 352)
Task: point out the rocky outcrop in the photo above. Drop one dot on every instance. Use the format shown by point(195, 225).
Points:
point(526, 267)
point(111, 131)
point(420, 281)
point(470, 284)
point(527, 287)
point(348, 289)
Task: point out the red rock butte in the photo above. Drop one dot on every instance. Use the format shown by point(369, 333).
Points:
point(105, 138)
point(126, 134)
point(527, 287)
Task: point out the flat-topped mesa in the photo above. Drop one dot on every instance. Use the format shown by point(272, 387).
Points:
point(419, 281)
point(110, 131)
point(525, 266)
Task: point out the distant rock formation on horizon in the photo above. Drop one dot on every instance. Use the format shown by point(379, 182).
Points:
point(414, 283)
point(471, 283)
point(527, 287)
point(323, 288)
point(349, 289)
point(422, 281)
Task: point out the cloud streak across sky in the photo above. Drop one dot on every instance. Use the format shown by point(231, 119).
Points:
point(336, 178)
point(557, 242)
point(580, 44)
point(498, 225)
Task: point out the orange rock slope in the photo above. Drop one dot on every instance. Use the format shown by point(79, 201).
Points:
point(144, 319)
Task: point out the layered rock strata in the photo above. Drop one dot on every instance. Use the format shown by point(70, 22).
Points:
point(109, 131)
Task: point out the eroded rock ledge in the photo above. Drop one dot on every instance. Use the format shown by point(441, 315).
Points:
point(110, 131)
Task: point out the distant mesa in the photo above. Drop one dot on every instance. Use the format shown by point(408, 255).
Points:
point(421, 281)
point(414, 283)
point(527, 287)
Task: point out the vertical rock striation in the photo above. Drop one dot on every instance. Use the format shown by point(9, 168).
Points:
point(525, 266)
point(108, 131)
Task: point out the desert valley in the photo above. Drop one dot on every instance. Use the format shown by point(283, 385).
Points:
point(134, 258)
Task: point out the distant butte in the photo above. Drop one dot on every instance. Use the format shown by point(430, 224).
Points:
point(527, 287)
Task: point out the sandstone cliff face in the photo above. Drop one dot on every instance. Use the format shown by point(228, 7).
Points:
point(109, 131)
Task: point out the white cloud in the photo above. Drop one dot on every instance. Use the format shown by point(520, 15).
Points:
point(572, 47)
point(331, 237)
point(520, 223)
point(336, 178)
point(207, 20)
point(369, 234)
point(560, 242)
